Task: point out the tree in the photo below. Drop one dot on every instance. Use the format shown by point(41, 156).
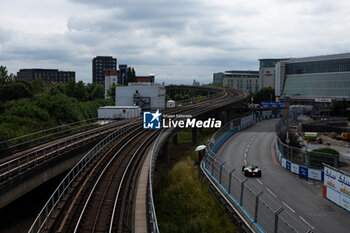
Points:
point(38, 85)
point(264, 94)
point(70, 88)
point(131, 76)
point(96, 91)
point(15, 90)
point(4, 76)
point(178, 97)
point(80, 92)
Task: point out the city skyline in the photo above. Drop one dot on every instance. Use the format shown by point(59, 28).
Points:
point(178, 41)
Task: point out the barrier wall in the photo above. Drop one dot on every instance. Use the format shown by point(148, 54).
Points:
point(261, 210)
point(298, 169)
point(336, 187)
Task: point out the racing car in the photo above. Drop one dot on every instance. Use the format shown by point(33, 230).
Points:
point(251, 170)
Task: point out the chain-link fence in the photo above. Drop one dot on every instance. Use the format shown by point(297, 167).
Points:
point(260, 207)
point(301, 156)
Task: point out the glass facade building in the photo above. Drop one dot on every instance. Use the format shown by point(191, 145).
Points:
point(317, 77)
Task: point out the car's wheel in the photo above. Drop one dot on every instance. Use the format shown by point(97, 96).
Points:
point(259, 174)
point(246, 173)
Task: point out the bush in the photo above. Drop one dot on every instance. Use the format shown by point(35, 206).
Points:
point(324, 155)
point(184, 205)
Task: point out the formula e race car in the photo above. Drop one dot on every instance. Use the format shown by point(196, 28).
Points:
point(251, 170)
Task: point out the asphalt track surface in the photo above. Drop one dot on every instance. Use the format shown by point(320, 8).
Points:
point(304, 198)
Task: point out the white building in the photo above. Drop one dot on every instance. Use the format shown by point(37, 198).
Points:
point(146, 95)
point(118, 112)
point(110, 79)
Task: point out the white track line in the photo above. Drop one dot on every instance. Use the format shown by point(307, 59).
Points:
point(288, 206)
point(245, 162)
point(245, 155)
point(258, 181)
point(306, 222)
point(271, 192)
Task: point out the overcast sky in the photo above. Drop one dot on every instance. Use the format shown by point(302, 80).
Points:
point(177, 40)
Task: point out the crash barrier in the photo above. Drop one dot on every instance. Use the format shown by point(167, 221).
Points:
point(152, 211)
point(157, 147)
point(308, 164)
point(336, 186)
point(258, 207)
point(296, 168)
point(42, 220)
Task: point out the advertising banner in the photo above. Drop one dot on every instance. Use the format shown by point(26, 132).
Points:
point(315, 174)
point(303, 171)
point(284, 163)
point(338, 187)
point(288, 165)
point(294, 168)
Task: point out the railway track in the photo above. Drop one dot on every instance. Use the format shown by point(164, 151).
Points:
point(23, 161)
point(102, 200)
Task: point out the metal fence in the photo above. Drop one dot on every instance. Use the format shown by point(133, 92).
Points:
point(42, 220)
point(152, 211)
point(302, 156)
point(260, 207)
point(44, 135)
point(197, 100)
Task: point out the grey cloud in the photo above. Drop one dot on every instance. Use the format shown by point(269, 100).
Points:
point(5, 35)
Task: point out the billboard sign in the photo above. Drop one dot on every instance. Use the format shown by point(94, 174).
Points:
point(272, 104)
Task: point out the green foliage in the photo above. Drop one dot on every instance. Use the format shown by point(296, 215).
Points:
point(200, 99)
point(38, 85)
point(178, 97)
point(187, 96)
point(323, 155)
point(185, 205)
point(24, 112)
point(131, 75)
point(97, 92)
point(5, 78)
point(264, 94)
point(293, 139)
point(15, 90)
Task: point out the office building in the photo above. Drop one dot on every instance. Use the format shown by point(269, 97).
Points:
point(99, 65)
point(314, 78)
point(267, 71)
point(241, 80)
point(47, 75)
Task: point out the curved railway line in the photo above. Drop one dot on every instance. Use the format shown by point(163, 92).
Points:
point(22, 161)
point(101, 199)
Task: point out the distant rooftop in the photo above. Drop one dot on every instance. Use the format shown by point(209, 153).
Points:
point(320, 58)
point(242, 72)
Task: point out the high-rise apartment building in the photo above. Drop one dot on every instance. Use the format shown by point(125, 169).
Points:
point(99, 65)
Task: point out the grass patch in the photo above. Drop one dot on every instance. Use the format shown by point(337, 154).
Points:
point(183, 202)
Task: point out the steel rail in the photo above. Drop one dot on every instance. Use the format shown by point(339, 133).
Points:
point(122, 180)
point(99, 178)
